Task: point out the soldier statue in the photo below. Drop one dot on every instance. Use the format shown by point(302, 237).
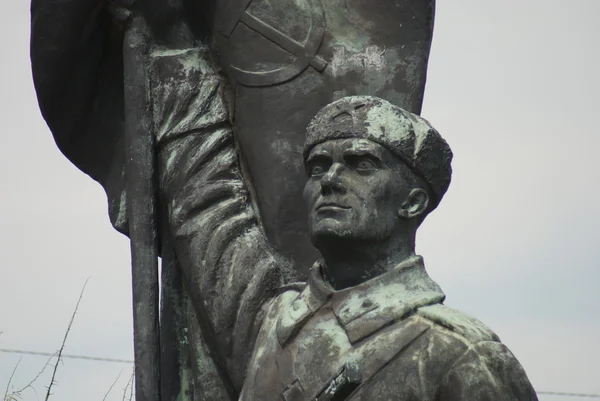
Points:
point(193, 115)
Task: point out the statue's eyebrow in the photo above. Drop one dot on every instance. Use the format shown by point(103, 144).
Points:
point(318, 155)
point(363, 151)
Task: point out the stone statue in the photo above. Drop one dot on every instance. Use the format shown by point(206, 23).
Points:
point(370, 323)
point(192, 114)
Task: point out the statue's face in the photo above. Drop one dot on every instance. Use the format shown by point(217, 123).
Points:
point(356, 190)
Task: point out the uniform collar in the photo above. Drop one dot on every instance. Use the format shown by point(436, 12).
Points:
point(366, 308)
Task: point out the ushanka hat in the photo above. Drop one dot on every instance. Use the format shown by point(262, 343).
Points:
point(409, 136)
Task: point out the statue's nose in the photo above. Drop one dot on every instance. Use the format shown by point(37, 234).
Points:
point(331, 181)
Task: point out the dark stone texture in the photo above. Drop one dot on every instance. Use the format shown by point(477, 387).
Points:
point(77, 63)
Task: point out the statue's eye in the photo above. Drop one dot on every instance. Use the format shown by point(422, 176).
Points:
point(318, 169)
point(364, 164)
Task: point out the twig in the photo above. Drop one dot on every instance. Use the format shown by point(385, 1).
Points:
point(129, 383)
point(30, 384)
point(10, 380)
point(132, 385)
point(112, 385)
point(36, 393)
point(62, 346)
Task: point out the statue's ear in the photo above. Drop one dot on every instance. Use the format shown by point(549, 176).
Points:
point(415, 204)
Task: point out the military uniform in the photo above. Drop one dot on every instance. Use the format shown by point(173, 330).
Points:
point(389, 338)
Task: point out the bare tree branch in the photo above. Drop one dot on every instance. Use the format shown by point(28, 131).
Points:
point(29, 385)
point(112, 385)
point(62, 346)
point(129, 383)
point(132, 386)
point(10, 380)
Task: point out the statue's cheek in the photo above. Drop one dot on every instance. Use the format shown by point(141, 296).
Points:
point(311, 192)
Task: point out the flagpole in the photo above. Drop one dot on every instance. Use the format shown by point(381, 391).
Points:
point(140, 170)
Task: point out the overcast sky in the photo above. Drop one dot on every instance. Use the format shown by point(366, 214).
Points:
point(513, 86)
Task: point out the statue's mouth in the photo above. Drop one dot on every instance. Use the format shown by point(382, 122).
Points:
point(331, 206)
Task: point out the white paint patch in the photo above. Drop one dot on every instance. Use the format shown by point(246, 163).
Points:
point(371, 60)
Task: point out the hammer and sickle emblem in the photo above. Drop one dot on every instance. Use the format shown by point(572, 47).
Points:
point(305, 54)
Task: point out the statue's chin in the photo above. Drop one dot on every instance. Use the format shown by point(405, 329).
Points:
point(332, 236)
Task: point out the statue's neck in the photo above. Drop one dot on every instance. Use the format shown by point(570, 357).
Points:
point(350, 264)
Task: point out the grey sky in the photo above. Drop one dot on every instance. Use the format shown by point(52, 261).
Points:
point(513, 87)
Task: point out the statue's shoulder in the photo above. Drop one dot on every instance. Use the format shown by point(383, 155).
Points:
point(284, 296)
point(458, 322)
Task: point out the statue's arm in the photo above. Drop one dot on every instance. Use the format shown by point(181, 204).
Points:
point(487, 371)
point(228, 266)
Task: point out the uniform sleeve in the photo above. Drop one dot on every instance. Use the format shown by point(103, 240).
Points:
point(487, 371)
point(228, 266)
